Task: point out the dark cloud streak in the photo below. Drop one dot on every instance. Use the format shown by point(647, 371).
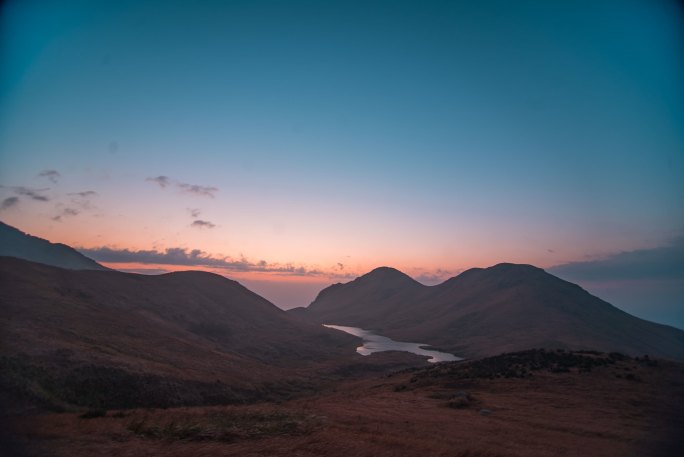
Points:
point(193, 258)
point(200, 191)
point(665, 262)
point(52, 175)
point(84, 194)
point(203, 224)
point(33, 194)
point(161, 181)
point(9, 202)
point(83, 199)
point(66, 212)
point(192, 189)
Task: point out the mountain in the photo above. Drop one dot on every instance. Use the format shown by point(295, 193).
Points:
point(15, 243)
point(112, 339)
point(364, 301)
point(484, 312)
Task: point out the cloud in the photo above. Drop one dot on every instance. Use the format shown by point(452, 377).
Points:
point(52, 175)
point(194, 258)
point(82, 200)
point(84, 194)
point(33, 194)
point(435, 277)
point(78, 201)
point(665, 262)
point(192, 189)
point(161, 181)
point(66, 212)
point(145, 271)
point(9, 202)
point(194, 212)
point(201, 191)
point(203, 224)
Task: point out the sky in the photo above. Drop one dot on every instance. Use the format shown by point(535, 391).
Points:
point(290, 145)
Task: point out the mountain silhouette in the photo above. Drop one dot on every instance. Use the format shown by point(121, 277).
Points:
point(364, 300)
point(15, 243)
point(487, 311)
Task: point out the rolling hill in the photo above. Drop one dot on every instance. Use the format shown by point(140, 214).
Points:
point(107, 338)
point(484, 312)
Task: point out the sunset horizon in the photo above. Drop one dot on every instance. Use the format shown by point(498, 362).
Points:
point(290, 285)
point(280, 146)
point(377, 228)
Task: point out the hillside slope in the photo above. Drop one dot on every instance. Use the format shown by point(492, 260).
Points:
point(174, 337)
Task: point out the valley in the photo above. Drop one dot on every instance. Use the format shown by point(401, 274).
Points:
point(96, 361)
point(285, 228)
point(373, 343)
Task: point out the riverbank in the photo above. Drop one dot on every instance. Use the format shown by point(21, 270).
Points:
point(373, 343)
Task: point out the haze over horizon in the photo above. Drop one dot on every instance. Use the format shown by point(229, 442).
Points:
point(292, 145)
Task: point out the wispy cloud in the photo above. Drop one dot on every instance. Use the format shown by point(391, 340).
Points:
point(191, 189)
point(32, 193)
point(195, 258)
point(161, 181)
point(84, 194)
point(64, 213)
point(434, 277)
point(194, 212)
point(200, 191)
point(83, 200)
point(9, 202)
point(202, 224)
point(52, 175)
point(665, 262)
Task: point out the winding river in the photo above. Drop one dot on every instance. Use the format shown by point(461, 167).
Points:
point(377, 343)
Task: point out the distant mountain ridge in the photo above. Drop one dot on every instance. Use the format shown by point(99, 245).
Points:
point(384, 287)
point(15, 243)
point(484, 312)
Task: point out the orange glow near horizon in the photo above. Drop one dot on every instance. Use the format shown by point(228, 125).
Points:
point(147, 268)
point(328, 251)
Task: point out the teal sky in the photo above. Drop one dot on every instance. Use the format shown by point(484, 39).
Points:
point(431, 136)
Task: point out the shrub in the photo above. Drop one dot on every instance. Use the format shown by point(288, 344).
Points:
point(93, 413)
point(226, 427)
point(459, 403)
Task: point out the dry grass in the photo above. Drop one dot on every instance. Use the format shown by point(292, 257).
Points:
point(550, 413)
point(222, 425)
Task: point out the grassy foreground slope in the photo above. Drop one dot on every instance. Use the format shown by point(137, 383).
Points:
point(531, 404)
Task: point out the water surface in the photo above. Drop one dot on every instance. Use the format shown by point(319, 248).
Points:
point(377, 343)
